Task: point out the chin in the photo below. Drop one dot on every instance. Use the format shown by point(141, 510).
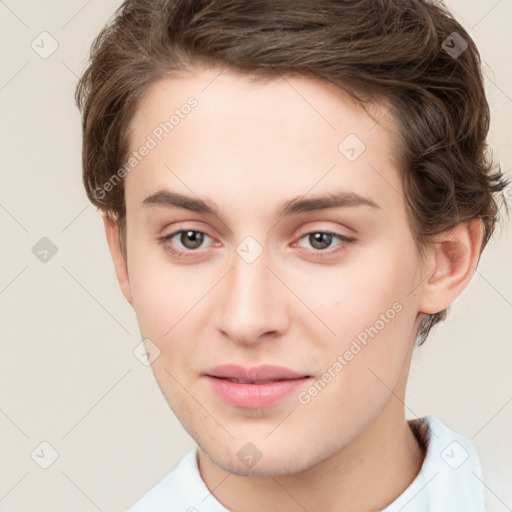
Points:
point(278, 465)
point(269, 461)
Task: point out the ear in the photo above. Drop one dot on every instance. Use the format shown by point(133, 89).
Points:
point(451, 265)
point(120, 265)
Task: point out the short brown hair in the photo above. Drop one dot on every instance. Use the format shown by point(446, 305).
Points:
point(411, 55)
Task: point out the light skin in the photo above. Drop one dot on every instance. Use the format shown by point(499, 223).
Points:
point(246, 149)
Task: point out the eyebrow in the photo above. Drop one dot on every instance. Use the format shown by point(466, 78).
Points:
point(294, 206)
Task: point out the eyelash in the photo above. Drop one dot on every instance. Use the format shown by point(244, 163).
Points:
point(315, 252)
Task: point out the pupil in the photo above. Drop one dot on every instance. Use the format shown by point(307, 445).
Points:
point(191, 239)
point(317, 240)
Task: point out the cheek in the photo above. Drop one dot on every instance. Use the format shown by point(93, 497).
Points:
point(164, 295)
point(372, 311)
point(356, 295)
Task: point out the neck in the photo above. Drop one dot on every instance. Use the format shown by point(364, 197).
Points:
point(368, 474)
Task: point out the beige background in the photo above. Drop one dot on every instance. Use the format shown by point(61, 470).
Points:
point(68, 376)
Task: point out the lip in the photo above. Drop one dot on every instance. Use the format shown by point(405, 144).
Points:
point(256, 373)
point(258, 394)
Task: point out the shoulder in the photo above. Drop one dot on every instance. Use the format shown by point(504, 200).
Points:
point(450, 477)
point(182, 489)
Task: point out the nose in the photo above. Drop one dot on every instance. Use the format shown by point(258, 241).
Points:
point(251, 303)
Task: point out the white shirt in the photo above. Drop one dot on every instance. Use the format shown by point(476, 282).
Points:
point(450, 480)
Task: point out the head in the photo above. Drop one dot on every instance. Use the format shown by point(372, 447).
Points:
point(260, 124)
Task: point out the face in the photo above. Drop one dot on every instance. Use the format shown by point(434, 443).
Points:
point(256, 268)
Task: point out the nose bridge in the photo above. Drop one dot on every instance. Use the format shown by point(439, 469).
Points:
point(250, 303)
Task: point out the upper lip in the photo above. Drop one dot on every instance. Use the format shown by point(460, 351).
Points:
point(256, 373)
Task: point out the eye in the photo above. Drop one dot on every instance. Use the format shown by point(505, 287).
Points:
point(190, 240)
point(322, 240)
point(185, 242)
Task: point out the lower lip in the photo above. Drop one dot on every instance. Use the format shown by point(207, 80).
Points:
point(255, 396)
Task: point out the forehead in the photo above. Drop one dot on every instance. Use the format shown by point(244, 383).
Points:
point(275, 138)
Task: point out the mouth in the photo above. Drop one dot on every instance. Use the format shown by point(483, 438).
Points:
point(243, 381)
point(257, 374)
point(254, 388)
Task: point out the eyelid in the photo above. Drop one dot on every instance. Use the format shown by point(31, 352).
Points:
point(321, 229)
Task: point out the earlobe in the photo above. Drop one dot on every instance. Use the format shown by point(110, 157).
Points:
point(452, 265)
point(118, 258)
